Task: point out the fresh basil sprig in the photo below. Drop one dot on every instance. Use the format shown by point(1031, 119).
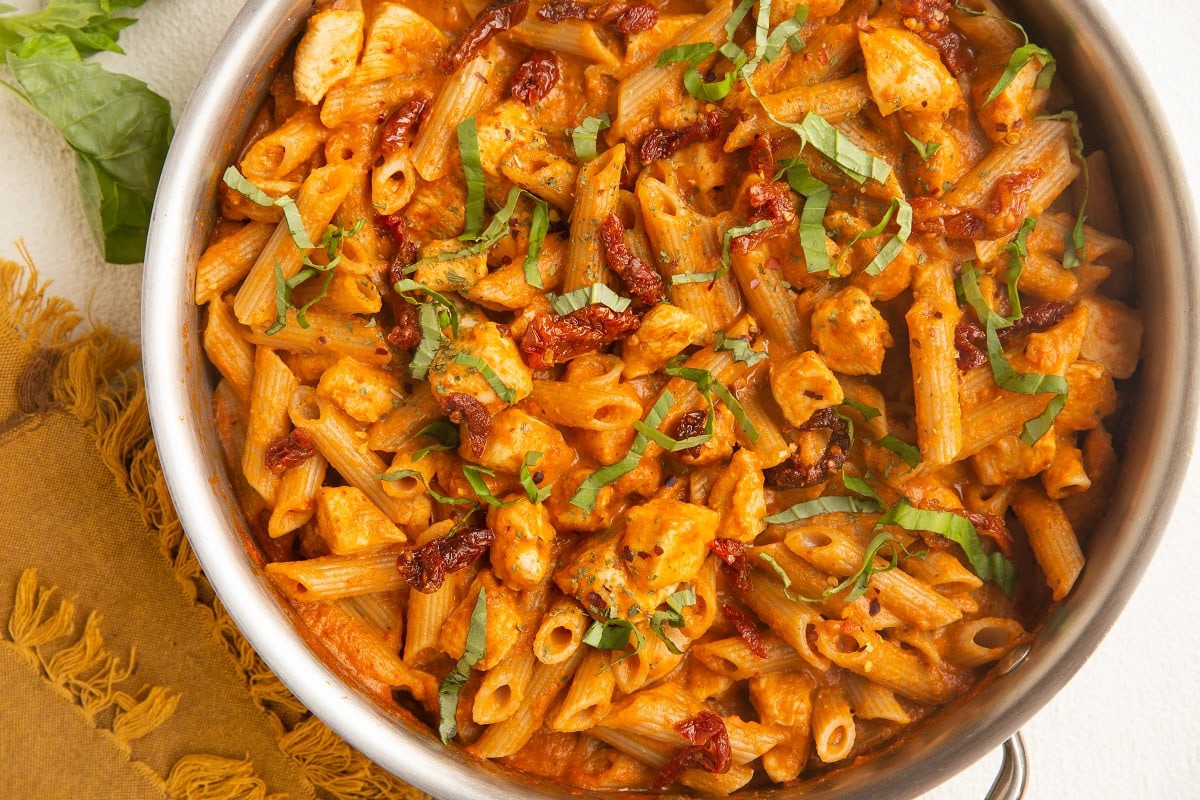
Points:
point(117, 127)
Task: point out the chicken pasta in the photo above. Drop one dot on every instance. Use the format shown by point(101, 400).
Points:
point(669, 395)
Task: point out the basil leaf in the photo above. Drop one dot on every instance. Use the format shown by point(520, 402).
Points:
point(536, 494)
point(891, 248)
point(785, 33)
point(816, 195)
point(868, 412)
point(1018, 61)
point(925, 150)
point(88, 25)
point(968, 281)
point(588, 295)
point(909, 453)
point(448, 310)
point(235, 180)
point(861, 487)
point(583, 138)
point(431, 341)
point(453, 683)
point(474, 475)
point(1017, 253)
point(676, 602)
point(585, 496)
point(468, 151)
point(739, 347)
point(706, 384)
point(958, 529)
point(686, 52)
point(502, 390)
point(539, 224)
point(1074, 242)
point(1022, 383)
point(118, 128)
point(783, 576)
point(444, 433)
point(855, 162)
point(676, 445)
point(837, 504)
point(726, 242)
point(613, 634)
point(400, 474)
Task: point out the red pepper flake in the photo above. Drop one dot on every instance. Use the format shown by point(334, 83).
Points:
point(710, 749)
point(425, 568)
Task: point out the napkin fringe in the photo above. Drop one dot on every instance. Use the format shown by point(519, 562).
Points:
point(97, 378)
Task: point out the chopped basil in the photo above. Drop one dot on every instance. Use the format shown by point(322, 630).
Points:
point(739, 347)
point(910, 454)
point(539, 224)
point(474, 475)
point(1017, 253)
point(1019, 58)
point(783, 576)
point(401, 474)
point(613, 634)
point(585, 496)
point(837, 504)
point(448, 312)
point(868, 412)
point(891, 248)
point(444, 433)
point(583, 138)
point(536, 494)
point(785, 33)
point(851, 159)
point(1026, 383)
point(707, 383)
point(502, 390)
point(958, 529)
point(816, 196)
point(675, 445)
point(431, 341)
point(861, 487)
point(726, 242)
point(925, 150)
point(968, 284)
point(453, 683)
point(588, 295)
point(468, 150)
point(1074, 241)
point(673, 616)
point(235, 180)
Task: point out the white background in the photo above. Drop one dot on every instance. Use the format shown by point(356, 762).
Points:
point(1125, 727)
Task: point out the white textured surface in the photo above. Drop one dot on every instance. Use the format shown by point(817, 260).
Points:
point(1125, 727)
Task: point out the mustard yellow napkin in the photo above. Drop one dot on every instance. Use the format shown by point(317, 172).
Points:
point(121, 676)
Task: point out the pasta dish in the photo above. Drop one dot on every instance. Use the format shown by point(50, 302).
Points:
point(669, 395)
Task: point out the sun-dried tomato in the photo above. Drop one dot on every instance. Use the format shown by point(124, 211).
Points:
point(643, 281)
point(992, 527)
point(970, 339)
point(761, 158)
point(794, 473)
point(637, 18)
point(734, 563)
point(497, 17)
point(406, 331)
point(709, 750)
point(930, 19)
point(425, 568)
point(661, 143)
point(535, 77)
point(400, 127)
point(772, 202)
point(289, 450)
point(559, 10)
point(1003, 216)
point(553, 338)
point(460, 407)
point(747, 628)
point(689, 425)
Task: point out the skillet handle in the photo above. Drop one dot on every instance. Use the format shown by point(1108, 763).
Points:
point(1014, 772)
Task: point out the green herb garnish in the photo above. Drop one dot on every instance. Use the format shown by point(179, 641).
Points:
point(453, 683)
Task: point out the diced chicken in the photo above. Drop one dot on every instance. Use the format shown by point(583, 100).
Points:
point(327, 53)
point(668, 540)
point(850, 333)
point(802, 385)
point(906, 73)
